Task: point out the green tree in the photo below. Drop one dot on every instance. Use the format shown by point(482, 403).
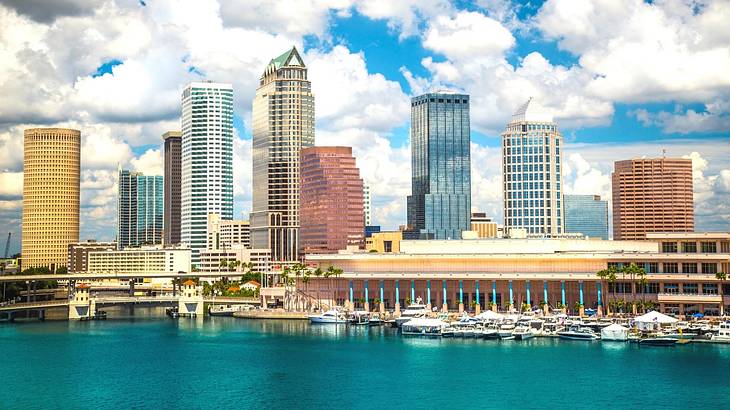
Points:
point(722, 277)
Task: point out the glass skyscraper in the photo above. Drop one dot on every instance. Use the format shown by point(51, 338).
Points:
point(139, 209)
point(207, 160)
point(586, 214)
point(439, 206)
point(283, 124)
point(531, 167)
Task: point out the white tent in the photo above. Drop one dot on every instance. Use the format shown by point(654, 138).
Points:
point(489, 315)
point(614, 332)
point(653, 320)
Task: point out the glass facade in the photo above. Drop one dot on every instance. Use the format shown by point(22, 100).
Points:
point(586, 214)
point(139, 210)
point(531, 169)
point(207, 160)
point(439, 206)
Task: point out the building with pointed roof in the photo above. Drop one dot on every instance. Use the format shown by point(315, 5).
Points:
point(283, 124)
point(532, 180)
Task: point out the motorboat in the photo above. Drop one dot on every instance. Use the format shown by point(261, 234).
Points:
point(522, 333)
point(448, 331)
point(375, 320)
point(658, 341)
point(422, 326)
point(506, 329)
point(412, 311)
point(490, 332)
point(723, 332)
point(360, 317)
point(330, 316)
point(575, 332)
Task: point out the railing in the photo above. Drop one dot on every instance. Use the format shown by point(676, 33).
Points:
point(34, 305)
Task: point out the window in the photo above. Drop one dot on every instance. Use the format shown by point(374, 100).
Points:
point(670, 267)
point(710, 268)
point(709, 288)
point(651, 288)
point(689, 267)
point(672, 288)
point(669, 247)
point(652, 267)
point(387, 246)
point(689, 247)
point(709, 247)
point(690, 288)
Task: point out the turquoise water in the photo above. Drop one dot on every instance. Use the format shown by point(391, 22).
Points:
point(233, 363)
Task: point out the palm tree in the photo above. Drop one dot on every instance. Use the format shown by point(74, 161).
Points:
point(643, 282)
point(721, 276)
point(224, 263)
point(633, 270)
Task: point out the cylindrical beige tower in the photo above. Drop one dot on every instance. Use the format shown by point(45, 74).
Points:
point(51, 176)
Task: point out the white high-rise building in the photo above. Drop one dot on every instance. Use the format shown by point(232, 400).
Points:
point(531, 166)
point(283, 124)
point(207, 160)
point(367, 202)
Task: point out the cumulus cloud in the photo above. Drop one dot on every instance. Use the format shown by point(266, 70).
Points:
point(715, 118)
point(466, 35)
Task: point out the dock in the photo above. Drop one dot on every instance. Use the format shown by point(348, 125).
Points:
point(271, 314)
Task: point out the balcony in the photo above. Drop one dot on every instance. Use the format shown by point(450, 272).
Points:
point(688, 298)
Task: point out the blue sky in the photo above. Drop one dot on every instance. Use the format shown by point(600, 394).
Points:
point(622, 78)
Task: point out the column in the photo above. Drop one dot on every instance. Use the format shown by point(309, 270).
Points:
point(428, 294)
point(562, 294)
point(528, 287)
point(546, 306)
point(382, 296)
point(477, 309)
point(494, 295)
point(580, 292)
point(413, 291)
point(397, 298)
point(461, 296)
point(511, 296)
point(600, 298)
point(352, 300)
point(445, 307)
point(367, 297)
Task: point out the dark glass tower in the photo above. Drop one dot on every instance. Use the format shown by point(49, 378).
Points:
point(139, 211)
point(440, 202)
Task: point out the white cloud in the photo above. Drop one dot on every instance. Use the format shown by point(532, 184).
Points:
point(404, 16)
point(149, 163)
point(11, 186)
point(715, 118)
point(467, 35)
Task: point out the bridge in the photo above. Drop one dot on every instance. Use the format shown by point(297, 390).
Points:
point(86, 276)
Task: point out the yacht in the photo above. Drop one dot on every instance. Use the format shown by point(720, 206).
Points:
point(412, 311)
point(423, 327)
point(522, 333)
point(506, 329)
point(360, 317)
point(723, 333)
point(375, 320)
point(575, 332)
point(658, 341)
point(490, 332)
point(330, 316)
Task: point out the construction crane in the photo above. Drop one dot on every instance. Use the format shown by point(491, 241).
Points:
point(7, 246)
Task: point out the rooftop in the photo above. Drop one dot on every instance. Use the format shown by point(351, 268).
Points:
point(531, 111)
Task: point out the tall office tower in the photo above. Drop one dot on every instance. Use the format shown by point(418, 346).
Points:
point(367, 203)
point(586, 214)
point(531, 169)
point(207, 160)
point(440, 202)
point(283, 124)
point(652, 195)
point(51, 178)
point(172, 180)
point(139, 209)
point(331, 209)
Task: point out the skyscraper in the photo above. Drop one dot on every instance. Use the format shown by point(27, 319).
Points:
point(172, 181)
point(331, 209)
point(440, 202)
point(51, 178)
point(139, 210)
point(586, 214)
point(367, 203)
point(531, 167)
point(652, 195)
point(207, 160)
point(283, 124)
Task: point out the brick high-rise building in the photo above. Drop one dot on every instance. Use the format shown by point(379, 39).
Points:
point(652, 195)
point(331, 210)
point(172, 180)
point(51, 181)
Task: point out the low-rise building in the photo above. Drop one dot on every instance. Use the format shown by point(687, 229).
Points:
point(227, 233)
point(483, 225)
point(78, 253)
point(152, 259)
point(210, 260)
point(251, 285)
point(384, 242)
point(680, 273)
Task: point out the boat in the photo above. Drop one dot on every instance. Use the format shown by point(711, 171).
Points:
point(723, 333)
point(575, 332)
point(506, 329)
point(490, 332)
point(658, 341)
point(375, 320)
point(412, 311)
point(422, 326)
point(448, 331)
point(226, 310)
point(330, 316)
point(360, 318)
point(522, 333)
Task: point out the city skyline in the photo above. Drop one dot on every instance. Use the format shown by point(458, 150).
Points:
point(122, 96)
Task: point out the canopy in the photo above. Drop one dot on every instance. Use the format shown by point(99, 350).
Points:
point(489, 315)
point(614, 332)
point(655, 317)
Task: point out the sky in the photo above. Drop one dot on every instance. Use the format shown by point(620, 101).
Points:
point(622, 78)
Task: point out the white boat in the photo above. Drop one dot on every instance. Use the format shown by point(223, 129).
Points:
point(576, 332)
point(423, 327)
point(330, 316)
point(490, 332)
point(360, 317)
point(522, 333)
point(506, 329)
point(412, 311)
point(723, 332)
point(375, 320)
